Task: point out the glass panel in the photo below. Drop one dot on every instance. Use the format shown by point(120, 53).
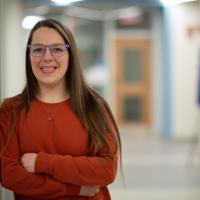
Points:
point(89, 38)
point(132, 65)
point(132, 109)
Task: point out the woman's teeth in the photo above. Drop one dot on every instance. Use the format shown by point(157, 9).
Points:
point(48, 69)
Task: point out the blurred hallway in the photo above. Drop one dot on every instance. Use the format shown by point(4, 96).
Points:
point(157, 169)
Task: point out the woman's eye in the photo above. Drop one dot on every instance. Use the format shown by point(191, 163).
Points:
point(56, 49)
point(37, 50)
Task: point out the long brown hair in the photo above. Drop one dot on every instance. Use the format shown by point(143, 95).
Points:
point(88, 105)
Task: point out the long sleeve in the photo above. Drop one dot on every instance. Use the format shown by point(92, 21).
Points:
point(82, 170)
point(17, 179)
point(6, 119)
point(4, 124)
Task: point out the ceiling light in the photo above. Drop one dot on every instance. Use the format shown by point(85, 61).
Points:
point(65, 2)
point(29, 21)
point(172, 2)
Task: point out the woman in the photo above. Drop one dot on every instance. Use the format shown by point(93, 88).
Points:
point(65, 142)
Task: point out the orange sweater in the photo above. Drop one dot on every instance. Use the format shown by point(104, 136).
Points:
point(62, 165)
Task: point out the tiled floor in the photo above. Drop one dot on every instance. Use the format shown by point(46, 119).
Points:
point(157, 169)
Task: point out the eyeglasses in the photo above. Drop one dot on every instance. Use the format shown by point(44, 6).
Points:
point(38, 50)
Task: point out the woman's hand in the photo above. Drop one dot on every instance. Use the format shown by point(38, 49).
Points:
point(89, 191)
point(28, 161)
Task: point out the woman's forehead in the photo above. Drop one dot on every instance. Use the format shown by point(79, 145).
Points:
point(47, 35)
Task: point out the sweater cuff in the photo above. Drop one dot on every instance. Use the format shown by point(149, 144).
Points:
point(44, 163)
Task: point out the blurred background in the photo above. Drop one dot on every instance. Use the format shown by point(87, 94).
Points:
point(143, 56)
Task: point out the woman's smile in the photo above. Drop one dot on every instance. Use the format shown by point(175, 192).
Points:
point(48, 69)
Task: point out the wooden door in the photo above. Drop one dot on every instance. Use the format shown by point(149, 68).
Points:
point(133, 82)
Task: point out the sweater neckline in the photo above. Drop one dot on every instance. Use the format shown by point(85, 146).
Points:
point(52, 104)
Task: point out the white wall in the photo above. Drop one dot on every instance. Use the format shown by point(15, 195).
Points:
point(13, 67)
point(184, 69)
point(12, 54)
point(156, 73)
point(2, 46)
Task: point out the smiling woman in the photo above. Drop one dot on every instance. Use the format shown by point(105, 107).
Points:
point(64, 142)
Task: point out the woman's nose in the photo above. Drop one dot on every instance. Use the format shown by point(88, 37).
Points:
point(47, 53)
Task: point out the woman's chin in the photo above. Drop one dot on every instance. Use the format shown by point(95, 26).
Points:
point(48, 83)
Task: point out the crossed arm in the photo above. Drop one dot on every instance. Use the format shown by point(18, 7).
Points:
point(42, 175)
point(82, 170)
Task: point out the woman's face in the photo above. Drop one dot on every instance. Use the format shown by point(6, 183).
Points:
point(49, 69)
